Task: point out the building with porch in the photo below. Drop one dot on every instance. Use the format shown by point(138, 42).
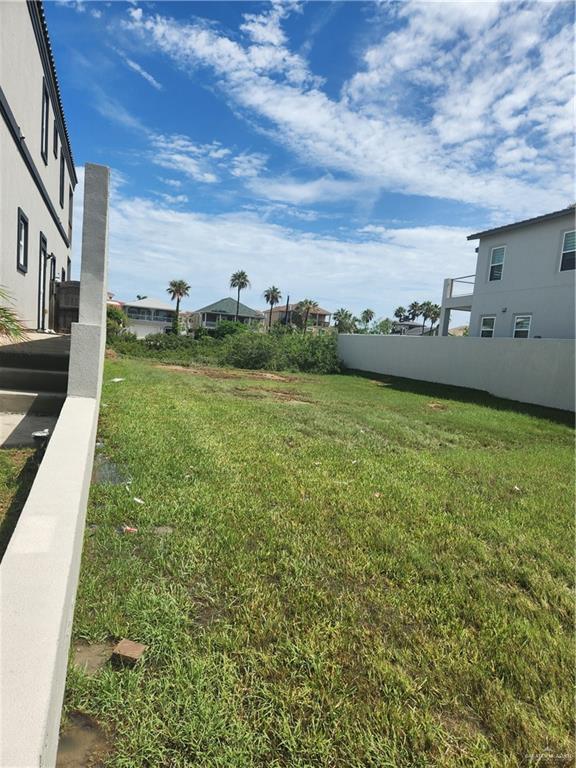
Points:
point(148, 315)
point(37, 175)
point(284, 313)
point(225, 309)
point(524, 282)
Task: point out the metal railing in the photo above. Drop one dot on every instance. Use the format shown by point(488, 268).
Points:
point(462, 286)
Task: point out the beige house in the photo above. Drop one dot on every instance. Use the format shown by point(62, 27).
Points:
point(37, 175)
point(284, 313)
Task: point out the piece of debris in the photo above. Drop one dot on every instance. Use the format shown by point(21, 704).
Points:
point(377, 495)
point(127, 529)
point(138, 501)
point(116, 380)
point(41, 434)
point(128, 652)
point(516, 489)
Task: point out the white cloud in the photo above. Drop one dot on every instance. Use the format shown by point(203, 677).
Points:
point(135, 67)
point(478, 88)
point(248, 165)
point(325, 189)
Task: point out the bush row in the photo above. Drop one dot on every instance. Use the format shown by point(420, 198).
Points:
point(274, 351)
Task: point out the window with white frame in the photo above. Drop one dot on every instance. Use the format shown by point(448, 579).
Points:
point(487, 327)
point(44, 128)
point(568, 251)
point(22, 242)
point(497, 262)
point(522, 326)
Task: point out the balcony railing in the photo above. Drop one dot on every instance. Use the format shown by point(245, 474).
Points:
point(461, 286)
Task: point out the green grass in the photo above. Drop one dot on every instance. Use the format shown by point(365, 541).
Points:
point(17, 472)
point(352, 580)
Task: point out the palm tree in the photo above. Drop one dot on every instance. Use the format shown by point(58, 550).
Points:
point(272, 296)
point(367, 316)
point(10, 325)
point(400, 313)
point(425, 309)
point(414, 310)
point(178, 289)
point(240, 281)
point(344, 321)
point(305, 307)
point(434, 314)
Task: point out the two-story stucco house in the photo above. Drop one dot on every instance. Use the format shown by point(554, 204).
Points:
point(37, 174)
point(524, 283)
point(149, 315)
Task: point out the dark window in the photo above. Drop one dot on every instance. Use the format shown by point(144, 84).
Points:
point(69, 268)
point(568, 251)
point(62, 175)
point(55, 140)
point(62, 274)
point(22, 243)
point(70, 210)
point(522, 326)
point(45, 113)
point(497, 262)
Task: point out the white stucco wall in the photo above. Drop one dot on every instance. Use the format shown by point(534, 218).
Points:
point(531, 282)
point(538, 371)
point(143, 328)
point(21, 76)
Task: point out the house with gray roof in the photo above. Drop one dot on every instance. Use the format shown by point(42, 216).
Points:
point(225, 309)
point(524, 283)
point(149, 315)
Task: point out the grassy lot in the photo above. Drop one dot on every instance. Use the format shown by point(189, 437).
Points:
point(17, 472)
point(360, 573)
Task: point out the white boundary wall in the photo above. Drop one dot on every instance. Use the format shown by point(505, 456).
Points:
point(538, 371)
point(40, 568)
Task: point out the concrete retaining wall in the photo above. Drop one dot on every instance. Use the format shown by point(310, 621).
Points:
point(538, 371)
point(40, 568)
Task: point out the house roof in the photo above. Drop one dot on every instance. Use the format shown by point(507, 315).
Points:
point(282, 308)
point(569, 211)
point(150, 303)
point(227, 306)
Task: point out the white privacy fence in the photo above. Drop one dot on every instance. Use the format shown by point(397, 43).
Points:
point(538, 371)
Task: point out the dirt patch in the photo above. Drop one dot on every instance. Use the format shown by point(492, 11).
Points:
point(90, 657)
point(437, 406)
point(111, 354)
point(82, 743)
point(273, 394)
point(226, 373)
point(163, 530)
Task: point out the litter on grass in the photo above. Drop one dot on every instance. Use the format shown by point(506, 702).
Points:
point(127, 529)
point(116, 380)
point(138, 501)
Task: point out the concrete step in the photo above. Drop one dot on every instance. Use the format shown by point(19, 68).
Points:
point(33, 379)
point(33, 403)
point(37, 361)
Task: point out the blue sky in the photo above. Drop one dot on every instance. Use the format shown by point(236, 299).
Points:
point(341, 151)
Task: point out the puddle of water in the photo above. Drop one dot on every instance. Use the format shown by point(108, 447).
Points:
point(105, 472)
point(81, 743)
point(92, 657)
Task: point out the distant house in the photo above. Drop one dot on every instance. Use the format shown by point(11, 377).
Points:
point(284, 314)
point(149, 315)
point(524, 281)
point(225, 309)
point(407, 328)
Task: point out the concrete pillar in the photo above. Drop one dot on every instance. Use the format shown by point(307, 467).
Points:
point(444, 323)
point(89, 334)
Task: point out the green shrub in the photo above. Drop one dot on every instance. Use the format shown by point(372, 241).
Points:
point(248, 350)
point(227, 328)
point(116, 322)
